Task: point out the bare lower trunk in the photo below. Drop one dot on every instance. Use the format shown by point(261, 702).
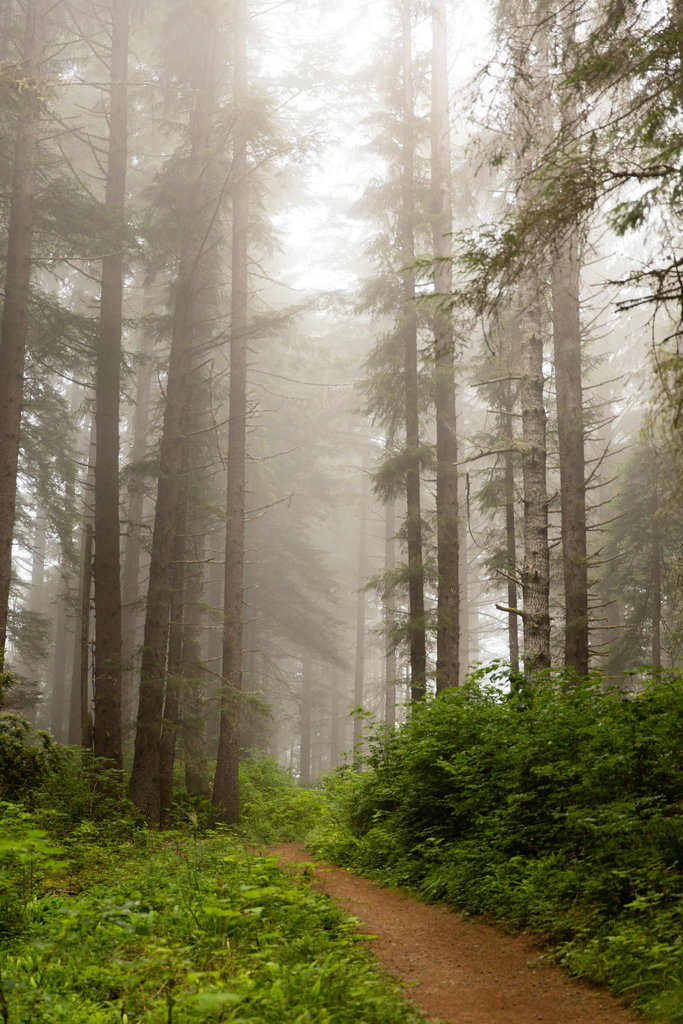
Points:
point(570, 428)
point(146, 779)
point(107, 562)
point(510, 534)
point(448, 601)
point(16, 295)
point(305, 722)
point(146, 776)
point(390, 620)
point(194, 676)
point(359, 664)
point(59, 672)
point(418, 651)
point(225, 796)
point(656, 589)
point(80, 725)
point(132, 549)
point(335, 719)
point(536, 566)
point(171, 714)
point(85, 717)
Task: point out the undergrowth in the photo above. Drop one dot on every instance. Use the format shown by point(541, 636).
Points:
point(181, 929)
point(557, 809)
point(104, 921)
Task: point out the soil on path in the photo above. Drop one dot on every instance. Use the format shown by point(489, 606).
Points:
point(456, 969)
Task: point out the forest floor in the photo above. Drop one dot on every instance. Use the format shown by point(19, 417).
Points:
point(456, 969)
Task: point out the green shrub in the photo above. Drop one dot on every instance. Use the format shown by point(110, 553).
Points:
point(26, 758)
point(273, 807)
point(27, 854)
point(557, 807)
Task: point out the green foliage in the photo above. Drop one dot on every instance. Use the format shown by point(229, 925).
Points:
point(26, 758)
point(26, 853)
point(274, 808)
point(187, 931)
point(557, 809)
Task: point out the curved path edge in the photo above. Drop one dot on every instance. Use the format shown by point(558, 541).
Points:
point(456, 969)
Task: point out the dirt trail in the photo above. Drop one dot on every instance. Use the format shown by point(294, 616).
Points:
point(459, 970)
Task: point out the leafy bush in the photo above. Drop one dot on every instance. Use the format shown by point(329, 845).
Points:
point(26, 758)
point(557, 808)
point(26, 853)
point(81, 788)
point(274, 808)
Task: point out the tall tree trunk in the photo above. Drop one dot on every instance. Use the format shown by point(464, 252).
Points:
point(171, 713)
point(510, 529)
point(335, 718)
point(80, 724)
point(390, 619)
point(468, 624)
point(146, 779)
point(656, 586)
point(132, 548)
point(359, 663)
point(305, 721)
point(418, 651)
point(85, 717)
point(107, 562)
point(448, 602)
point(17, 280)
point(59, 670)
point(225, 796)
point(536, 565)
point(531, 109)
point(194, 680)
point(570, 428)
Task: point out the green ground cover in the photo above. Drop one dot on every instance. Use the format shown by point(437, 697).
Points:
point(558, 809)
point(175, 929)
point(103, 921)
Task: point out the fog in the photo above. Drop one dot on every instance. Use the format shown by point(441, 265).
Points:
point(378, 299)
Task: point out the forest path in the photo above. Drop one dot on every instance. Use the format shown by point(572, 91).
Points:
point(456, 969)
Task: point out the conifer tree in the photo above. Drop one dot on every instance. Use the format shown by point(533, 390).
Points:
point(29, 95)
point(107, 561)
point(225, 795)
point(197, 184)
point(448, 603)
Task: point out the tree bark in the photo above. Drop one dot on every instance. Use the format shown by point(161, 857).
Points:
point(359, 662)
point(194, 680)
point(171, 712)
point(80, 724)
point(418, 651)
point(656, 586)
point(448, 601)
point(510, 530)
point(225, 796)
point(305, 721)
point(570, 428)
point(59, 671)
point(146, 778)
point(132, 548)
point(536, 565)
point(17, 281)
point(107, 561)
point(335, 718)
point(390, 619)
point(531, 86)
point(85, 717)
